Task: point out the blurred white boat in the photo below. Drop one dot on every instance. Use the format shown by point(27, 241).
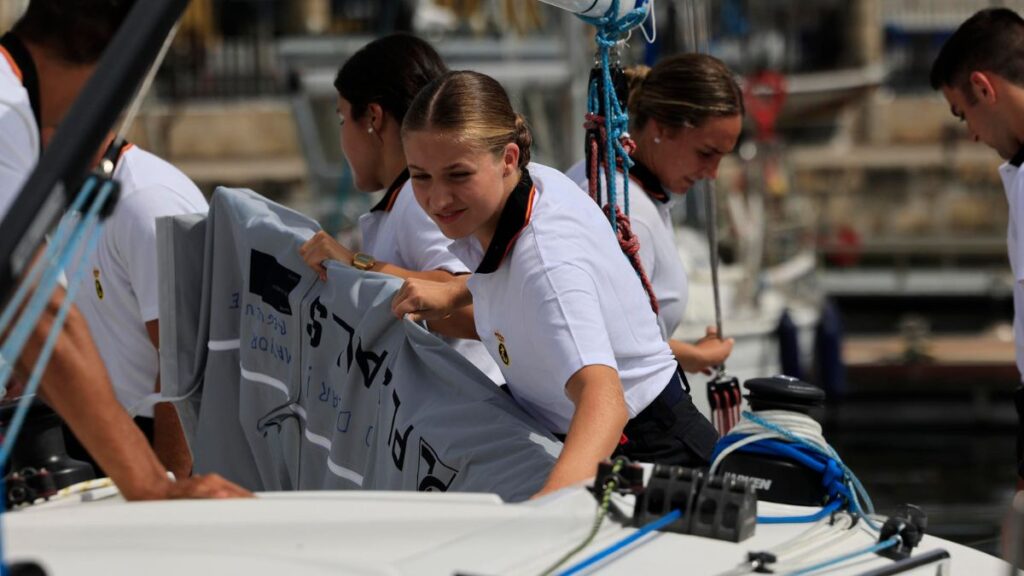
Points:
point(752, 308)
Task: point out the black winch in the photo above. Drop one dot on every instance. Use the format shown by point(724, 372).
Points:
point(778, 478)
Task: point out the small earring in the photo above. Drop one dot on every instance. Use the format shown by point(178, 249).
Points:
point(369, 130)
point(657, 140)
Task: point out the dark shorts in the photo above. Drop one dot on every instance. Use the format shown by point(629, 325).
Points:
point(670, 430)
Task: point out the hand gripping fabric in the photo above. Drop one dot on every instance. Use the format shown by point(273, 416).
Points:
point(285, 382)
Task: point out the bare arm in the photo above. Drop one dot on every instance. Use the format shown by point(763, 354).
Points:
point(76, 386)
point(446, 306)
point(456, 322)
point(708, 352)
point(168, 435)
point(596, 427)
point(323, 247)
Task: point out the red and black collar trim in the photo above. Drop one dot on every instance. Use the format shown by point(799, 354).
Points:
point(1018, 158)
point(514, 218)
point(648, 182)
point(24, 67)
point(116, 150)
point(388, 201)
point(124, 148)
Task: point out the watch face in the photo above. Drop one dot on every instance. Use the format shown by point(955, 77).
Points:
point(363, 261)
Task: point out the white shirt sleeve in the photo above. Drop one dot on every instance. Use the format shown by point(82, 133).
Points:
point(640, 226)
point(1016, 201)
point(19, 152)
point(421, 243)
point(569, 332)
point(578, 173)
point(134, 233)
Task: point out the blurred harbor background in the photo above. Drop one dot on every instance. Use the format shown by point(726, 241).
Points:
point(857, 217)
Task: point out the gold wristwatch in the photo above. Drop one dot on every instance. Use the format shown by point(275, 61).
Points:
point(363, 261)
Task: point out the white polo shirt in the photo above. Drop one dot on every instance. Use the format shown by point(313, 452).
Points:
point(553, 293)
point(123, 268)
point(399, 232)
point(1013, 184)
point(19, 123)
point(118, 294)
point(650, 214)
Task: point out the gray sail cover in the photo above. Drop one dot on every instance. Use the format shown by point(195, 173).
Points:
point(288, 383)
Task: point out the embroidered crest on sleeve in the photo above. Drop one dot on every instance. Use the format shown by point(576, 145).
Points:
point(502, 351)
point(99, 287)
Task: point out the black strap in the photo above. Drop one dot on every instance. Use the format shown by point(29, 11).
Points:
point(1018, 158)
point(116, 150)
point(513, 219)
point(388, 201)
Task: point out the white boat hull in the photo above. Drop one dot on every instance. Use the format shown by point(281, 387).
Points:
point(378, 533)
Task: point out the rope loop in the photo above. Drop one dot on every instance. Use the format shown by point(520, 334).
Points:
point(602, 99)
point(630, 246)
point(608, 142)
point(797, 437)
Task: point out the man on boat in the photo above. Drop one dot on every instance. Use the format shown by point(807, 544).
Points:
point(980, 71)
point(44, 63)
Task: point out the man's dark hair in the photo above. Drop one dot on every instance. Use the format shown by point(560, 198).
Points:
point(389, 71)
point(992, 40)
point(75, 31)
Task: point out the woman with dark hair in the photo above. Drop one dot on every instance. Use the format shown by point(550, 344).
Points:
point(375, 88)
point(562, 313)
point(686, 114)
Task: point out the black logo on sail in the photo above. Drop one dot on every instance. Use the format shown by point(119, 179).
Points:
point(271, 281)
point(432, 474)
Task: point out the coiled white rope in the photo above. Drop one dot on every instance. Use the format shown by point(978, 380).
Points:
point(800, 425)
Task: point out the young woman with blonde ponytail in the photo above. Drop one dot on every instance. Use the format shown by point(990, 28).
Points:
point(398, 237)
point(561, 312)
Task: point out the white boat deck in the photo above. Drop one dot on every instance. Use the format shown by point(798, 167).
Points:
point(384, 533)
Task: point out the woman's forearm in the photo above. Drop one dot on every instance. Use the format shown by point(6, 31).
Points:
point(596, 427)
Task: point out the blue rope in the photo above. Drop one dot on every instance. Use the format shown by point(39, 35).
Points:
point(616, 120)
point(840, 559)
point(826, 511)
point(14, 344)
point(36, 377)
point(858, 492)
point(622, 543)
point(12, 347)
point(49, 254)
point(56, 257)
point(833, 478)
point(842, 484)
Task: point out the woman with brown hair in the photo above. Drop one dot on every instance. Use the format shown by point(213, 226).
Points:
point(555, 304)
point(686, 113)
point(398, 237)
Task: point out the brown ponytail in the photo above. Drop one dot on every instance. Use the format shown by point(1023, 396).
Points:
point(523, 139)
point(684, 89)
point(635, 77)
point(472, 108)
